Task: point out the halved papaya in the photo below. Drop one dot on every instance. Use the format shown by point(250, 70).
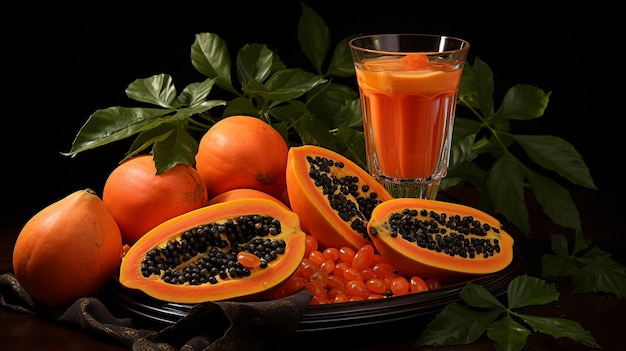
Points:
point(333, 196)
point(438, 239)
point(193, 258)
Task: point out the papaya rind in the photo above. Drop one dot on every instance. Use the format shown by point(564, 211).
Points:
point(316, 215)
point(411, 259)
point(238, 289)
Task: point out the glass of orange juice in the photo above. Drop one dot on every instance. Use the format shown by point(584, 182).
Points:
point(408, 86)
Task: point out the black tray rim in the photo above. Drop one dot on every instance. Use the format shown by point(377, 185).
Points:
point(331, 317)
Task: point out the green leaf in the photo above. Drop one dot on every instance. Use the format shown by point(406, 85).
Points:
point(313, 132)
point(464, 127)
point(556, 154)
point(290, 112)
point(113, 124)
point(157, 90)
point(505, 182)
point(178, 147)
point(353, 145)
point(508, 334)
point(591, 254)
point(555, 200)
point(287, 85)
point(559, 244)
point(601, 274)
point(497, 145)
point(558, 266)
point(185, 113)
point(209, 56)
point(470, 172)
point(327, 102)
point(561, 264)
point(254, 61)
point(195, 94)
point(462, 153)
point(478, 296)
point(341, 63)
point(525, 290)
point(591, 269)
point(484, 85)
point(277, 64)
point(523, 102)
point(241, 106)
point(468, 94)
point(560, 327)
point(313, 36)
point(147, 138)
point(350, 116)
point(456, 325)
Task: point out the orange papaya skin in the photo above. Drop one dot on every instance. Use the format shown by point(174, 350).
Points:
point(258, 283)
point(317, 216)
point(68, 250)
point(242, 193)
point(410, 259)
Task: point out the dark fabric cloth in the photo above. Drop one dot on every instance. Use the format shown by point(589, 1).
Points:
point(209, 326)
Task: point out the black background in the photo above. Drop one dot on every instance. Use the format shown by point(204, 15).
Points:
point(67, 62)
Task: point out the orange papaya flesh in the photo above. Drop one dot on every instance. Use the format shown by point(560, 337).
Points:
point(192, 258)
point(333, 196)
point(447, 241)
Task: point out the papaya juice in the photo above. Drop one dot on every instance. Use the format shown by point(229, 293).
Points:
point(408, 114)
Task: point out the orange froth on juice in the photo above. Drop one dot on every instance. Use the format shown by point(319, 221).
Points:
point(408, 102)
point(414, 61)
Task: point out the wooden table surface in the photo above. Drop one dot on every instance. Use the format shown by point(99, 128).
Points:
point(601, 314)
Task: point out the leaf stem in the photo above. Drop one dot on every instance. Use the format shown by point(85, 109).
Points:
point(485, 124)
point(198, 125)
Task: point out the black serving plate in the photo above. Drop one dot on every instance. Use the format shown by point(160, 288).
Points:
point(408, 310)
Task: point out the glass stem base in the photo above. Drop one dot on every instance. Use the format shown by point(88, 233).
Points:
point(420, 190)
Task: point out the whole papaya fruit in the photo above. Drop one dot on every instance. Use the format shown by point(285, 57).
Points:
point(242, 152)
point(68, 250)
point(140, 199)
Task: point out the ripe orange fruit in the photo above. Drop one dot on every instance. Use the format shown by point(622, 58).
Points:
point(242, 193)
point(69, 249)
point(139, 199)
point(242, 152)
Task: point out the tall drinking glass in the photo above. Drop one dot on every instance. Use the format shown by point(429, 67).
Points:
point(408, 86)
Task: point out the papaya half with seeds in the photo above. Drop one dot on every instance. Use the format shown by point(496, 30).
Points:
point(447, 241)
point(197, 256)
point(333, 196)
